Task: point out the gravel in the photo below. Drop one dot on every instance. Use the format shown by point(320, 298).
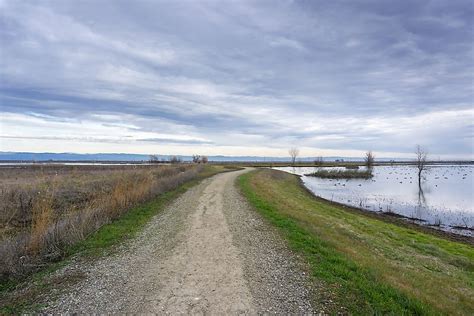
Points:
point(207, 253)
point(277, 278)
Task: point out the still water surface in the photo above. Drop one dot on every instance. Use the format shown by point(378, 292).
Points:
point(445, 200)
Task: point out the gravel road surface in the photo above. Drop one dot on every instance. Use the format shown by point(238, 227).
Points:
point(207, 253)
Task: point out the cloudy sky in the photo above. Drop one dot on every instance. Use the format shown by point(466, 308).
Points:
point(237, 77)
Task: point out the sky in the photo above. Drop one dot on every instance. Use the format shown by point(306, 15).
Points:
point(238, 77)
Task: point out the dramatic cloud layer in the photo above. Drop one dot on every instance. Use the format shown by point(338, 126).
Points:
point(237, 77)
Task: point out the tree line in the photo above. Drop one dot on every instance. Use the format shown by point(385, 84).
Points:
point(175, 159)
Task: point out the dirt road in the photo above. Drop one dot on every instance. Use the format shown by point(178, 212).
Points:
point(207, 253)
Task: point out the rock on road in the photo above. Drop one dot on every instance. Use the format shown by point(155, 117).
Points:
point(206, 253)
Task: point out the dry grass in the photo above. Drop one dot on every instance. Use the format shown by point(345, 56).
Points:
point(44, 210)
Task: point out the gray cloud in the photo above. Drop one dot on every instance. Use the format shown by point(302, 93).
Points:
point(62, 139)
point(340, 75)
point(175, 141)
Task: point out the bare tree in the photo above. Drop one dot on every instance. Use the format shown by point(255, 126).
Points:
point(318, 161)
point(421, 160)
point(175, 159)
point(154, 159)
point(369, 159)
point(196, 159)
point(294, 152)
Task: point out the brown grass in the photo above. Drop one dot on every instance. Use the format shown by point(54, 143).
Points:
point(45, 210)
point(42, 218)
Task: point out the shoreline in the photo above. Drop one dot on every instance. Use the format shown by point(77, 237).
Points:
point(394, 218)
point(373, 263)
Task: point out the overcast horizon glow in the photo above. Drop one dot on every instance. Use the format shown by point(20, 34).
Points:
point(241, 78)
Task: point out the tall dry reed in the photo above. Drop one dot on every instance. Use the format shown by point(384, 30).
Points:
point(40, 221)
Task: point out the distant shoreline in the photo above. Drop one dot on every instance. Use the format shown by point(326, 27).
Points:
point(252, 163)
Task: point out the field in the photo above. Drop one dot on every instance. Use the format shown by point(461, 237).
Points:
point(367, 265)
point(45, 210)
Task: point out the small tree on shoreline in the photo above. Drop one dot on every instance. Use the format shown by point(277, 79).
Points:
point(154, 159)
point(318, 161)
point(421, 160)
point(175, 160)
point(294, 152)
point(369, 159)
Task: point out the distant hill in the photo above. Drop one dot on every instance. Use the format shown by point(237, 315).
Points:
point(29, 156)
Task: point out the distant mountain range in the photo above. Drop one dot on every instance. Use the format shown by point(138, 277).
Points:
point(29, 156)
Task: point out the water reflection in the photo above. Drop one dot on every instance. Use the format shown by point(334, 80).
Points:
point(443, 199)
point(421, 203)
point(421, 197)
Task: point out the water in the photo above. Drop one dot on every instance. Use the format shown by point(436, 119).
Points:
point(445, 200)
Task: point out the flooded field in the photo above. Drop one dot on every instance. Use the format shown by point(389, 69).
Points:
point(445, 200)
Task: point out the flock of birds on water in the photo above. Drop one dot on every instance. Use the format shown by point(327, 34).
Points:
point(406, 176)
point(421, 213)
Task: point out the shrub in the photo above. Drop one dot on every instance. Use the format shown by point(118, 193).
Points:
point(175, 160)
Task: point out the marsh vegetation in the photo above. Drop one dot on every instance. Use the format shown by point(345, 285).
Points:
point(351, 173)
point(46, 209)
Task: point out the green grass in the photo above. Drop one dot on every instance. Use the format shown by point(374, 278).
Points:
point(98, 244)
point(126, 226)
point(369, 266)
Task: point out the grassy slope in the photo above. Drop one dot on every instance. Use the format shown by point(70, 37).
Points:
point(371, 266)
point(98, 244)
